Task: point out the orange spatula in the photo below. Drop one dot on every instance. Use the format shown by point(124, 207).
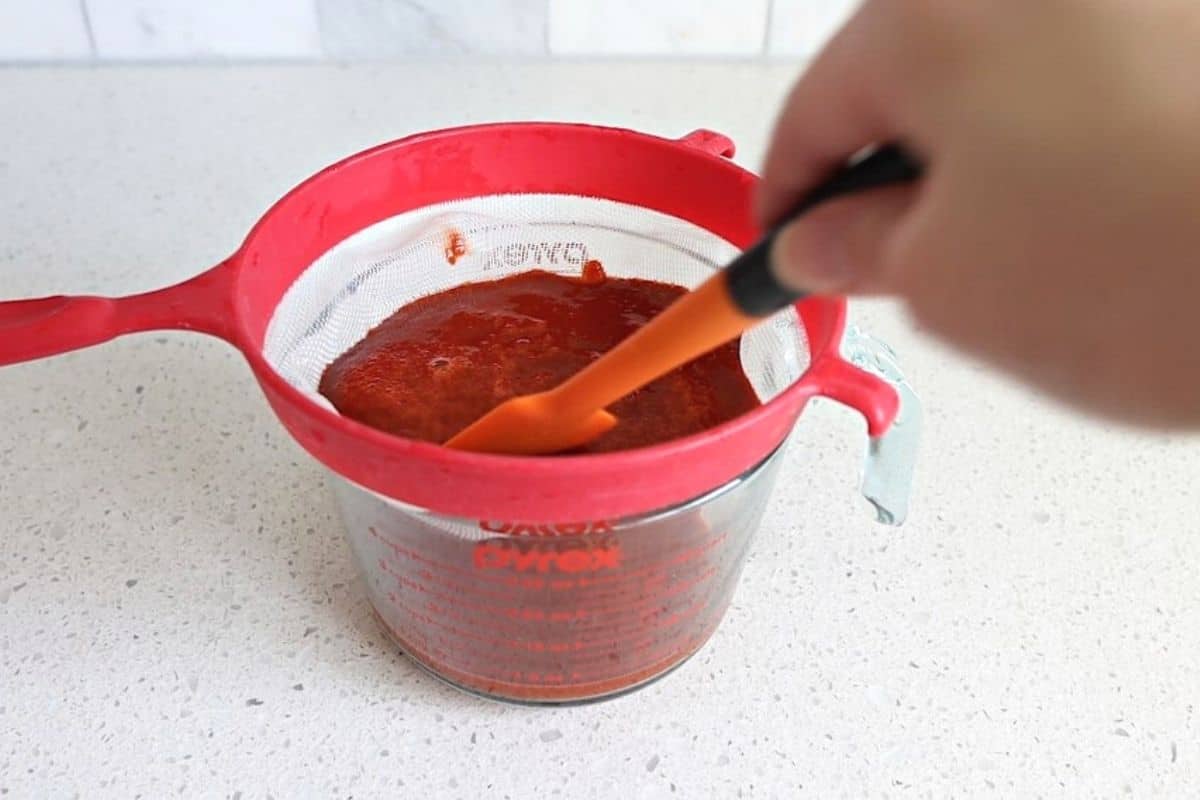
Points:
point(719, 310)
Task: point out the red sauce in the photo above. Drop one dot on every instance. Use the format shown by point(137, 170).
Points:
point(443, 361)
point(593, 273)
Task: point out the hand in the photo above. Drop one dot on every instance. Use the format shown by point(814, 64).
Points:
point(1056, 233)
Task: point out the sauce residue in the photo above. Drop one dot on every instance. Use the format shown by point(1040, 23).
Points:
point(442, 361)
point(456, 246)
point(593, 273)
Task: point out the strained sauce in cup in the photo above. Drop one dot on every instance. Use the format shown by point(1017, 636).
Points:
point(534, 610)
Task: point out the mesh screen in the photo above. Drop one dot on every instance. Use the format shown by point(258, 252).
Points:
point(367, 277)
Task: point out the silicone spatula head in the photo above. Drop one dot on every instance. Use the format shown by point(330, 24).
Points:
point(528, 425)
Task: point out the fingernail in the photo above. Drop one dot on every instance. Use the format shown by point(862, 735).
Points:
point(813, 258)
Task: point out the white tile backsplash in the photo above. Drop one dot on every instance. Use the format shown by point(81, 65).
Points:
point(43, 30)
point(657, 27)
point(204, 29)
point(800, 28)
point(184, 30)
point(366, 29)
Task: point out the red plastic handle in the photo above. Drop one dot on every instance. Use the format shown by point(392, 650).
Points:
point(47, 326)
point(717, 144)
point(868, 394)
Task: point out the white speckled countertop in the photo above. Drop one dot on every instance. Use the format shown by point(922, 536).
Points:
point(179, 614)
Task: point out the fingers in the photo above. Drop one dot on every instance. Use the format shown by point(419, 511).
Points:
point(833, 111)
point(844, 245)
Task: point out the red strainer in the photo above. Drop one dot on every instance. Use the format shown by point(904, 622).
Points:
point(345, 248)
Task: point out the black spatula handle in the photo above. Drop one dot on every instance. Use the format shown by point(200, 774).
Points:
point(751, 281)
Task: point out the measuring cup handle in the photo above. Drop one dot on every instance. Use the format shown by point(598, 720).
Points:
point(47, 326)
point(872, 383)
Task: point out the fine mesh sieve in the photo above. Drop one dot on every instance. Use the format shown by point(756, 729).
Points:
point(353, 243)
point(361, 281)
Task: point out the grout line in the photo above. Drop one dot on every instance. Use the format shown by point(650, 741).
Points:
point(322, 40)
point(87, 26)
point(173, 62)
point(766, 38)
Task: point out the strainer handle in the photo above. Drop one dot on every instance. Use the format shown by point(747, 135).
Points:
point(711, 142)
point(866, 393)
point(47, 326)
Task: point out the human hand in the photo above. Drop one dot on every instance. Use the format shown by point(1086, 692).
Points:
point(1056, 233)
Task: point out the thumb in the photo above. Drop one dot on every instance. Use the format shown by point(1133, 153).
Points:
point(839, 247)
